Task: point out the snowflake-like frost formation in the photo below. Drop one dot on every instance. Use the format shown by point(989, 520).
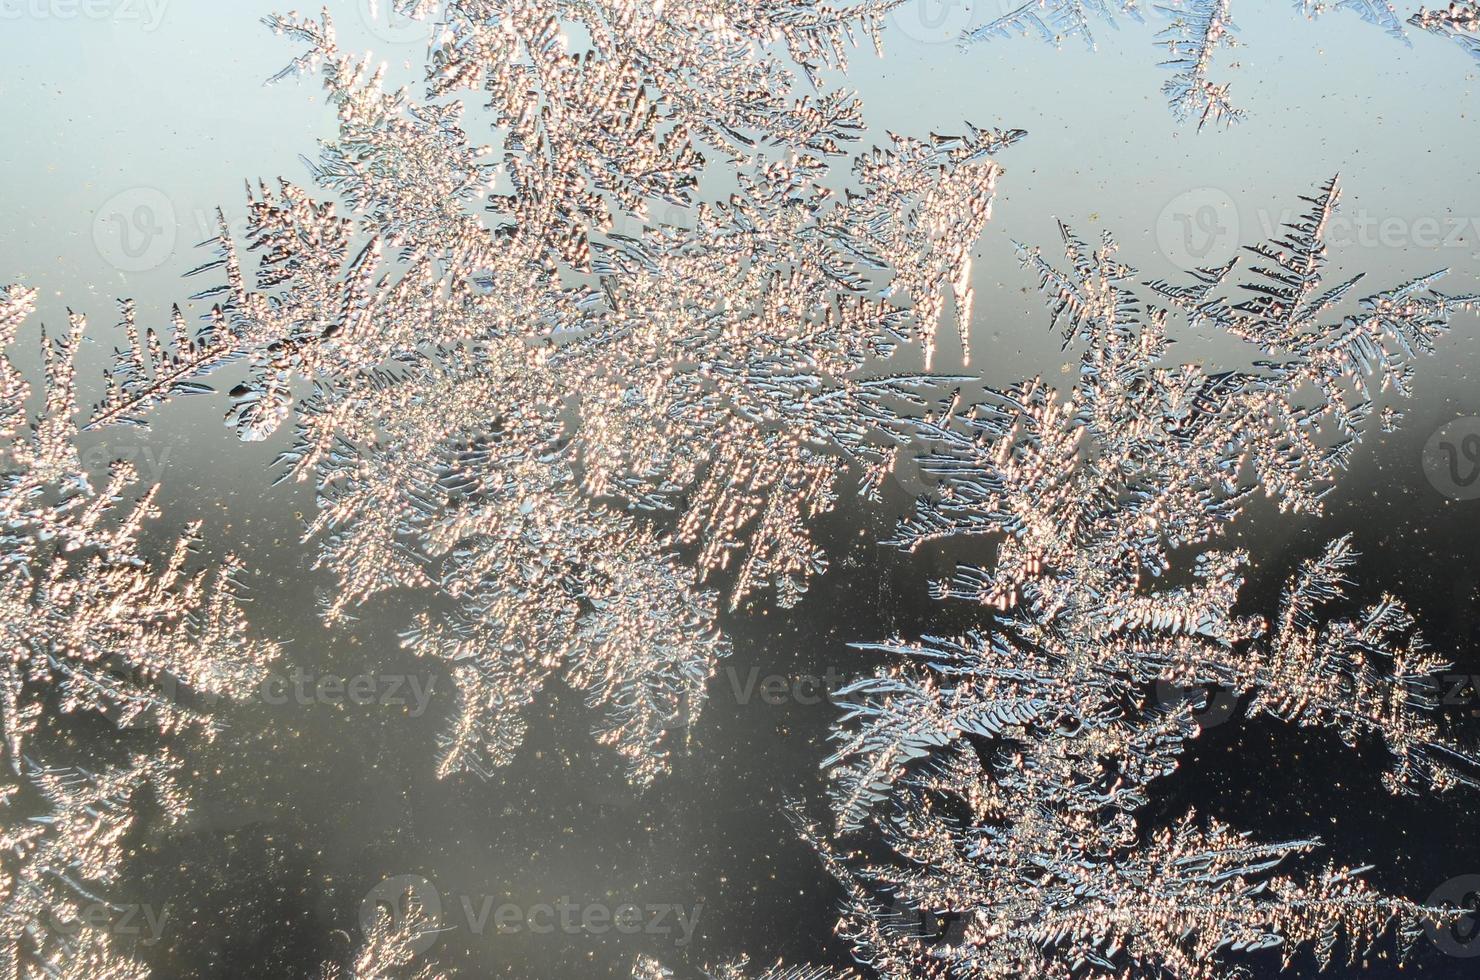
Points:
point(390, 949)
point(1195, 31)
point(61, 841)
point(647, 968)
point(567, 429)
point(1007, 766)
point(87, 618)
point(1460, 22)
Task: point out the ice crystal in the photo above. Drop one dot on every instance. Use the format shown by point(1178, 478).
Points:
point(1378, 13)
point(389, 951)
point(627, 117)
point(1192, 40)
point(1054, 21)
point(1195, 31)
point(153, 369)
point(539, 414)
point(1460, 22)
point(1041, 893)
point(61, 842)
point(647, 968)
point(87, 619)
point(1007, 766)
point(90, 623)
point(1171, 453)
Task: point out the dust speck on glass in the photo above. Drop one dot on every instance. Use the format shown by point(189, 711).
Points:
point(737, 489)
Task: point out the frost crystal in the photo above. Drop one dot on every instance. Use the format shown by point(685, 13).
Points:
point(580, 430)
point(1192, 39)
point(566, 428)
point(85, 616)
point(1460, 22)
point(1378, 13)
point(61, 838)
point(1010, 764)
point(389, 951)
point(647, 968)
point(1196, 30)
point(1054, 21)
